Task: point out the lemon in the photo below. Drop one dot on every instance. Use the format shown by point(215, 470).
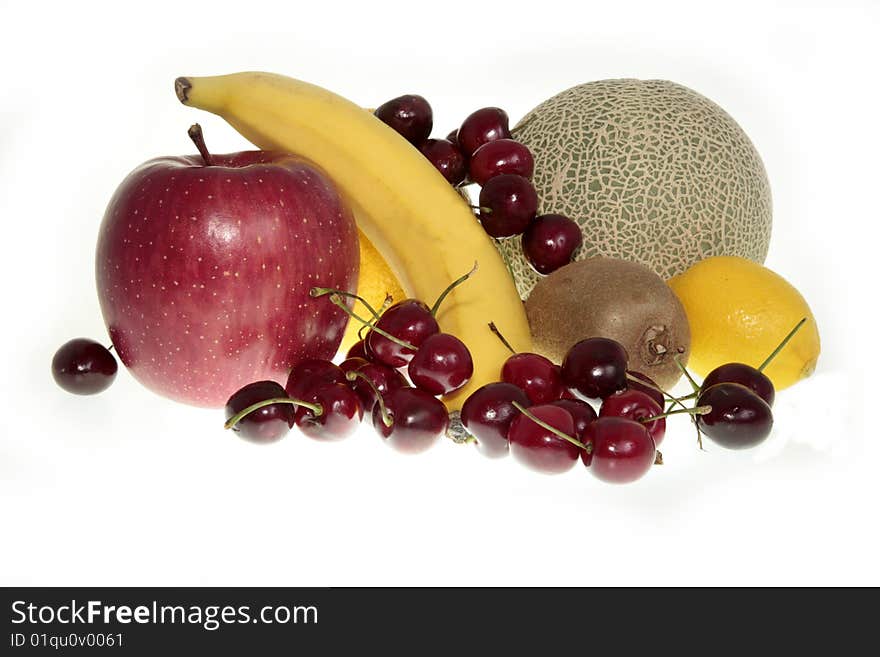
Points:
point(739, 311)
point(375, 281)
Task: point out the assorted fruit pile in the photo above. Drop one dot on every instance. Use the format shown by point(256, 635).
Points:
point(231, 279)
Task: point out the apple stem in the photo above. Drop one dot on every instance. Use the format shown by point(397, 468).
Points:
point(337, 300)
point(782, 344)
point(552, 429)
point(321, 291)
point(387, 420)
point(450, 288)
point(195, 133)
point(658, 458)
point(501, 337)
point(235, 419)
point(696, 410)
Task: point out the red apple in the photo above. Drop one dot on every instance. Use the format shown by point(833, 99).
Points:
point(204, 266)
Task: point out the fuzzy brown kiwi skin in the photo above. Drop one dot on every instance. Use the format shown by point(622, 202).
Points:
point(611, 298)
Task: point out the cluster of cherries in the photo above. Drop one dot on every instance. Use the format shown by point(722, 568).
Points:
point(531, 413)
point(534, 414)
point(537, 412)
point(483, 151)
point(328, 401)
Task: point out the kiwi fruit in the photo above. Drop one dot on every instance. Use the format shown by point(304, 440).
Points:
point(611, 298)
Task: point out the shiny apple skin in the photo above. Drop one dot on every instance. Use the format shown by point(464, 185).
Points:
point(204, 272)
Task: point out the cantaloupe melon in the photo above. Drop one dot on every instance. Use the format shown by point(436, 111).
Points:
point(651, 170)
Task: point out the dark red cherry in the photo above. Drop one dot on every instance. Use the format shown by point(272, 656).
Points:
point(536, 375)
point(309, 373)
point(341, 412)
point(508, 204)
point(382, 377)
point(581, 412)
point(266, 424)
point(484, 125)
point(595, 367)
point(487, 415)
point(739, 418)
point(649, 387)
point(441, 365)
point(566, 393)
point(446, 158)
point(410, 116)
point(743, 374)
point(418, 420)
point(84, 367)
point(539, 448)
point(500, 156)
point(550, 242)
point(409, 320)
point(636, 405)
point(622, 450)
point(357, 350)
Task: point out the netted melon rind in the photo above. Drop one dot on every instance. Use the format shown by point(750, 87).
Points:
point(651, 170)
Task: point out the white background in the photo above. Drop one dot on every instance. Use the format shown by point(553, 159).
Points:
point(128, 488)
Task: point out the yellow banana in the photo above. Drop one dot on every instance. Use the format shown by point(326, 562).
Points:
point(422, 227)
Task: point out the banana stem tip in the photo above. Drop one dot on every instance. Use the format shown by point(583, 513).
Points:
point(181, 88)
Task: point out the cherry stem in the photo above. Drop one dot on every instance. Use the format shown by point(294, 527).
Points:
point(337, 300)
point(680, 402)
point(386, 303)
point(675, 400)
point(481, 209)
point(551, 428)
point(235, 419)
point(450, 288)
point(501, 337)
point(687, 374)
point(365, 327)
point(696, 426)
point(195, 133)
point(387, 420)
point(321, 291)
point(696, 410)
point(782, 344)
